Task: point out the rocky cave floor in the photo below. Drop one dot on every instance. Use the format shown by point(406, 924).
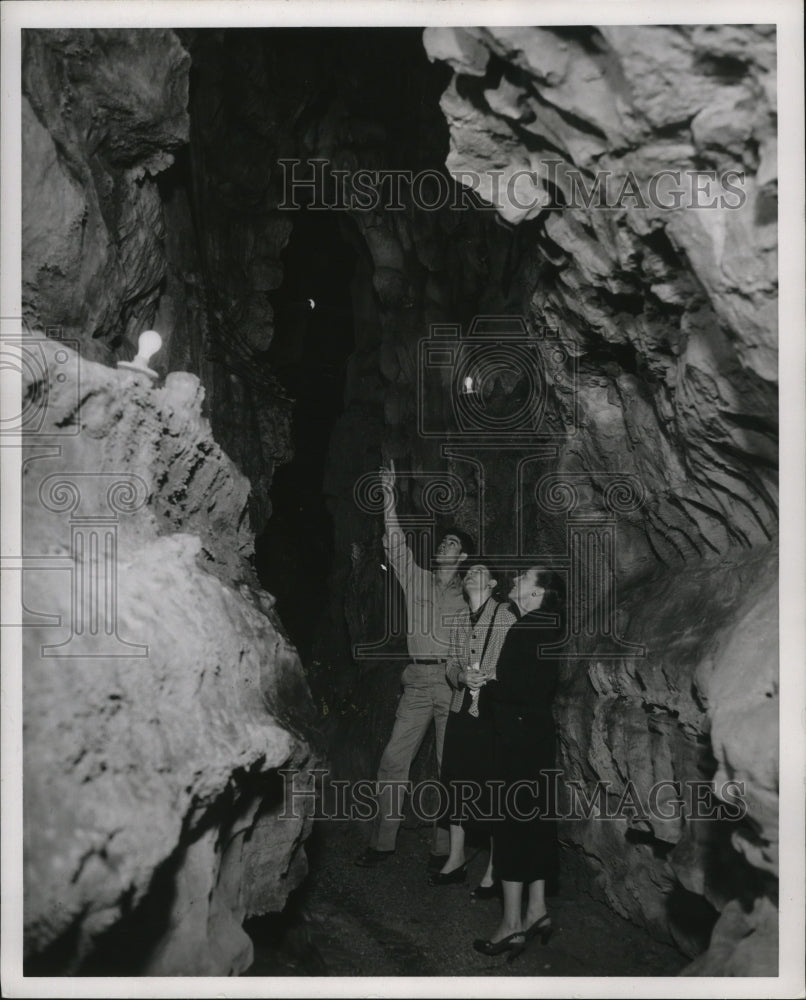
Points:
point(351, 921)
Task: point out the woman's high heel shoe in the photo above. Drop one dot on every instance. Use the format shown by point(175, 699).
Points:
point(487, 892)
point(454, 877)
point(541, 928)
point(507, 944)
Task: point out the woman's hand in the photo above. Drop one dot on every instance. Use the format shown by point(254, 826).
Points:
point(472, 679)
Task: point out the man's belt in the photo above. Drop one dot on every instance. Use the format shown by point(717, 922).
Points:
point(429, 659)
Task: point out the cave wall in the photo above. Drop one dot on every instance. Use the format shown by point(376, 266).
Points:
point(102, 114)
point(676, 309)
point(673, 316)
point(161, 693)
point(697, 707)
point(117, 239)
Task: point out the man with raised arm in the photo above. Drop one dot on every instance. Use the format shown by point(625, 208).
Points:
point(432, 600)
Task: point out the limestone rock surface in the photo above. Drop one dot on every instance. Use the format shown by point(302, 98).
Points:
point(103, 113)
point(160, 695)
point(666, 297)
point(647, 729)
point(110, 229)
point(638, 165)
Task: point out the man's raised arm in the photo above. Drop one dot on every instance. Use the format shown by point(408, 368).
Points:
point(394, 539)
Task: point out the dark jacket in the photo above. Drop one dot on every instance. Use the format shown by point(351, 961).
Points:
point(521, 696)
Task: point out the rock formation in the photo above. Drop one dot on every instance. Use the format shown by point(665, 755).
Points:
point(102, 114)
point(110, 247)
point(160, 694)
point(671, 312)
point(152, 798)
point(659, 398)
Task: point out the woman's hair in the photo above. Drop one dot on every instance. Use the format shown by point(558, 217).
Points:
point(468, 565)
point(503, 583)
point(554, 587)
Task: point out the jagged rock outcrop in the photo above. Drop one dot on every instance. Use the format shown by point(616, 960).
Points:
point(111, 230)
point(671, 311)
point(102, 113)
point(662, 719)
point(163, 765)
point(160, 694)
point(667, 298)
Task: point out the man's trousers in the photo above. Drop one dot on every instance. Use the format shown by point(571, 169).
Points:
point(426, 697)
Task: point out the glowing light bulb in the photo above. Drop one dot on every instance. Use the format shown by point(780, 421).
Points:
point(148, 343)
point(467, 387)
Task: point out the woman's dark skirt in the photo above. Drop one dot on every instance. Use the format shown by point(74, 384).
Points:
point(467, 767)
point(525, 840)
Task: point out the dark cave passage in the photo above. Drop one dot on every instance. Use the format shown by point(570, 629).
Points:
point(313, 338)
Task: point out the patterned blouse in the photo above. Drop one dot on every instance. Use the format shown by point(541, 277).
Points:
point(469, 636)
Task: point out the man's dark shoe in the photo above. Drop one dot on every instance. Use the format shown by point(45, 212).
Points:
point(372, 858)
point(436, 861)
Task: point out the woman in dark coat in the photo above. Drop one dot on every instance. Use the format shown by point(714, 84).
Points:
point(477, 634)
point(521, 697)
